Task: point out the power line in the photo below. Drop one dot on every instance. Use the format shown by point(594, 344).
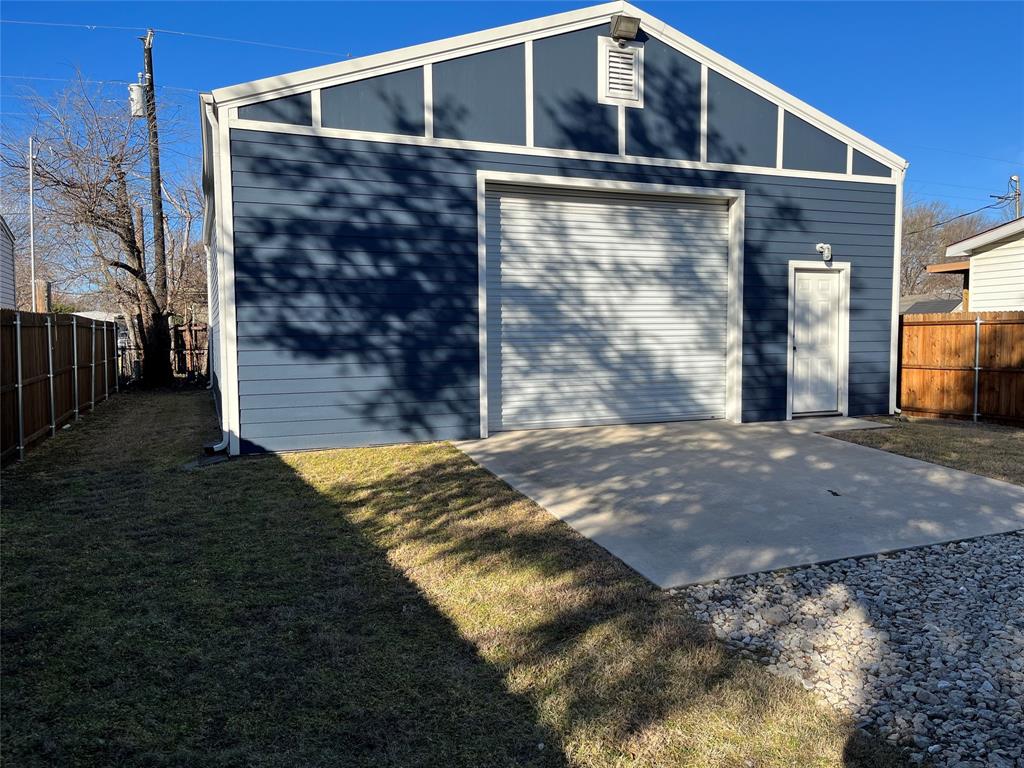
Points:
point(998, 204)
point(925, 194)
point(92, 82)
point(179, 33)
point(947, 184)
point(965, 154)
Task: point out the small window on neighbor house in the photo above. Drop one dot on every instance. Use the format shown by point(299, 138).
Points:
point(620, 70)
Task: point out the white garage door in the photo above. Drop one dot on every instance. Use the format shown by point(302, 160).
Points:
point(604, 309)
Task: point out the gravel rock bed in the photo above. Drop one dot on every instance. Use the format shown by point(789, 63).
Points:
point(923, 647)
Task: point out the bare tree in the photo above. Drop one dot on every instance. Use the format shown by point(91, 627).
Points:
point(91, 185)
point(925, 239)
point(186, 258)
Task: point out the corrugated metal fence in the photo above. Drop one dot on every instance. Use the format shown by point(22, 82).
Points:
point(53, 368)
point(965, 364)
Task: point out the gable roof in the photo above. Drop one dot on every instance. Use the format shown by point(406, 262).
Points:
point(546, 26)
point(1005, 231)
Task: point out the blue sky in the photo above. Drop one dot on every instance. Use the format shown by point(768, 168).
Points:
point(940, 83)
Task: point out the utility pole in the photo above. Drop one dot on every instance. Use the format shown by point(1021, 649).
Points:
point(32, 221)
point(159, 254)
point(1015, 185)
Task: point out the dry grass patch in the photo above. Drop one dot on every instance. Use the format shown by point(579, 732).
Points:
point(377, 607)
point(620, 674)
point(991, 450)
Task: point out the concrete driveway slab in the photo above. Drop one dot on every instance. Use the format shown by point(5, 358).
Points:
point(691, 502)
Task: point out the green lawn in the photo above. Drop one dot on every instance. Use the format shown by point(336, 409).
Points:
point(376, 607)
point(984, 449)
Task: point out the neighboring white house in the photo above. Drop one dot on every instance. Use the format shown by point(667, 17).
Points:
point(7, 290)
point(992, 264)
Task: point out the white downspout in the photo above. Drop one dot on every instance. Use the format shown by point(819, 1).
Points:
point(206, 107)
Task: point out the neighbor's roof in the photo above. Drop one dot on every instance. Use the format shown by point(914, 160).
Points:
point(100, 315)
point(927, 302)
point(546, 26)
point(1005, 231)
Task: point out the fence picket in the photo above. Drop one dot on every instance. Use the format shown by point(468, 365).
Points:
point(49, 374)
point(92, 370)
point(74, 359)
point(19, 383)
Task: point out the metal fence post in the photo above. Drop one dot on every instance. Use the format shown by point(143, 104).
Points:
point(20, 387)
point(117, 360)
point(106, 372)
point(74, 359)
point(92, 369)
point(49, 374)
point(977, 362)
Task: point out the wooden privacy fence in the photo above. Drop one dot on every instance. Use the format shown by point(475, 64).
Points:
point(189, 350)
point(53, 368)
point(967, 364)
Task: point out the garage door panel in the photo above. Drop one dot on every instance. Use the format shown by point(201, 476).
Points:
point(592, 393)
point(550, 382)
point(526, 366)
point(652, 279)
point(607, 415)
point(604, 309)
point(537, 254)
point(639, 211)
point(647, 312)
point(619, 352)
point(522, 243)
point(597, 231)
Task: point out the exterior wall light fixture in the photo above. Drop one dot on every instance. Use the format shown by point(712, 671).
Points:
point(625, 28)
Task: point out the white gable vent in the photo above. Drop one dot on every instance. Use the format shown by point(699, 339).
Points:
point(620, 73)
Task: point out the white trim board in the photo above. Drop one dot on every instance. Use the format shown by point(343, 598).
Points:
point(736, 199)
point(897, 270)
point(516, 149)
point(843, 348)
point(230, 409)
point(477, 42)
point(528, 82)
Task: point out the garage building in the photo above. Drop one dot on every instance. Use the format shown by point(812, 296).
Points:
point(587, 218)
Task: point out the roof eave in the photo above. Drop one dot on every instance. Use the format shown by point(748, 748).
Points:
point(955, 266)
point(206, 105)
point(314, 75)
point(967, 246)
point(759, 84)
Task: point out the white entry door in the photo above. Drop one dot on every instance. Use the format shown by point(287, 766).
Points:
point(816, 341)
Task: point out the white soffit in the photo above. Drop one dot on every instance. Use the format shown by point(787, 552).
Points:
point(546, 26)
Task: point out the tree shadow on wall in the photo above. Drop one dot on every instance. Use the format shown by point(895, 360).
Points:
point(357, 285)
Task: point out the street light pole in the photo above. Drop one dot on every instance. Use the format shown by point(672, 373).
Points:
point(32, 222)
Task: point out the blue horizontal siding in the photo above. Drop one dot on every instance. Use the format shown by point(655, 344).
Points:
point(298, 417)
point(350, 438)
point(409, 366)
point(356, 270)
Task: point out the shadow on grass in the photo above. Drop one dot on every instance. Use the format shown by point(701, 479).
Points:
point(392, 606)
point(154, 616)
point(619, 671)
